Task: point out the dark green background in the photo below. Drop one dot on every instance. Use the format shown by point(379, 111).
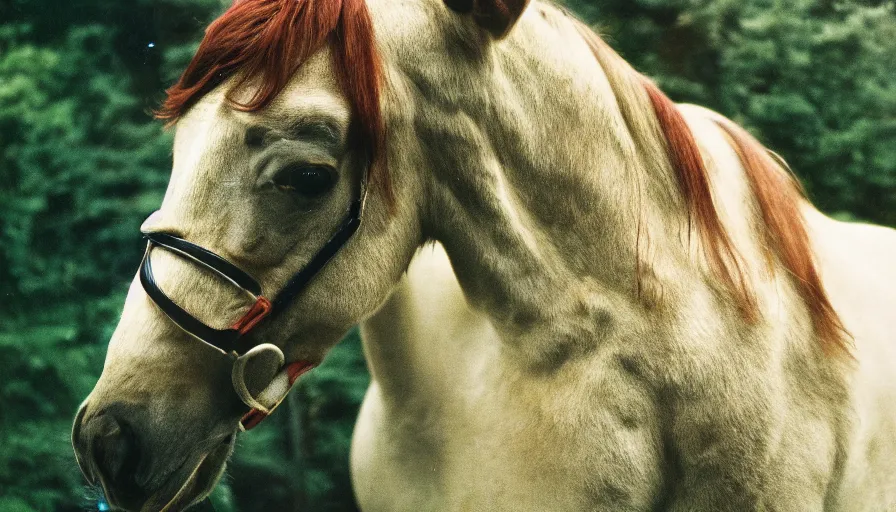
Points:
point(82, 164)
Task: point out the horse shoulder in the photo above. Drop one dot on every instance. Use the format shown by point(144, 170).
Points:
point(858, 265)
point(464, 426)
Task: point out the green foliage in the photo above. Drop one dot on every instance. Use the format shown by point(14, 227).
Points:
point(813, 79)
point(77, 158)
point(82, 164)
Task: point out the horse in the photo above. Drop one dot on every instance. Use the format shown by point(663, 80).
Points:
point(573, 293)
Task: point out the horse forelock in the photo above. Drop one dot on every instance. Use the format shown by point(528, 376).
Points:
point(777, 194)
point(265, 42)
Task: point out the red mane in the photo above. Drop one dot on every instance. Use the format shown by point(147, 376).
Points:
point(693, 179)
point(270, 40)
point(777, 195)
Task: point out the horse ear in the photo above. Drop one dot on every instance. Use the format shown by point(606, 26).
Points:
point(496, 16)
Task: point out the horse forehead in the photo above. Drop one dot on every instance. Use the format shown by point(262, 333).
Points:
point(209, 137)
point(313, 90)
point(201, 130)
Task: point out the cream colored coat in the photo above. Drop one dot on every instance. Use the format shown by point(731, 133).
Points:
point(535, 375)
point(530, 378)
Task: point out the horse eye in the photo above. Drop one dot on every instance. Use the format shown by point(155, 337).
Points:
point(306, 180)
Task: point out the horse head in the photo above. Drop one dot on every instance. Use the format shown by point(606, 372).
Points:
point(287, 219)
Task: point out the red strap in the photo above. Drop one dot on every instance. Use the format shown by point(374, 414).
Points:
point(252, 419)
point(295, 370)
point(259, 310)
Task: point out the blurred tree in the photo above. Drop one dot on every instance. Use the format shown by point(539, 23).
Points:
point(79, 168)
point(81, 164)
point(813, 79)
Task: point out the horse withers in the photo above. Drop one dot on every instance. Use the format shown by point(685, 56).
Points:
point(615, 302)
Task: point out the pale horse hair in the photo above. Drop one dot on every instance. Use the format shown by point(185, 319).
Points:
point(614, 303)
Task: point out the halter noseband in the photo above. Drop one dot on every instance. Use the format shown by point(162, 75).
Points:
point(227, 341)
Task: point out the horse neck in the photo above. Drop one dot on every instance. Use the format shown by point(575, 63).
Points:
point(549, 185)
point(545, 183)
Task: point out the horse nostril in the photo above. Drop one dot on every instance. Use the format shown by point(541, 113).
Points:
point(115, 447)
point(114, 451)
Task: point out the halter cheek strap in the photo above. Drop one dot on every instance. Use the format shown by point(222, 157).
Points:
point(230, 341)
point(225, 340)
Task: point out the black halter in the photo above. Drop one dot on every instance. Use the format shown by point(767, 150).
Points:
point(225, 340)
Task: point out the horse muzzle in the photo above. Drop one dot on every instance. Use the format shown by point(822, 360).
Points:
point(112, 452)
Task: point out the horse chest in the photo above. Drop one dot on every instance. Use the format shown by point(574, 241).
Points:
point(477, 437)
point(451, 423)
point(497, 441)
